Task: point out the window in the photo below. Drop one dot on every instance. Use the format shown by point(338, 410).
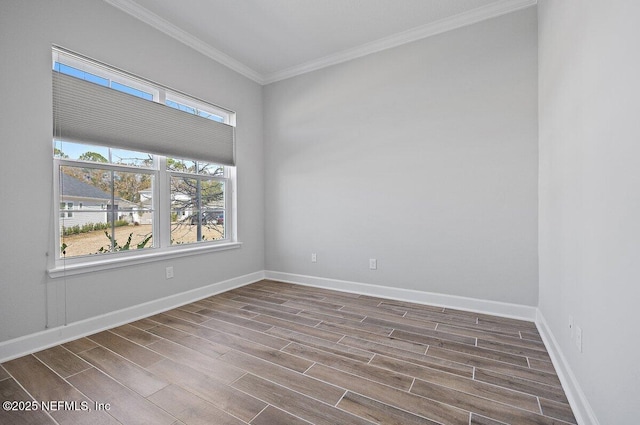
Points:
point(132, 201)
point(118, 189)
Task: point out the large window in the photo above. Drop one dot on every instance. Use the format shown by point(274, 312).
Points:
point(116, 201)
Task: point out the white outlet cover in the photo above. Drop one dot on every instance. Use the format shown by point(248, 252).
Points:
point(571, 327)
point(579, 338)
point(373, 263)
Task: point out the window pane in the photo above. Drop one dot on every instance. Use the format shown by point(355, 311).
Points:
point(96, 80)
point(182, 165)
point(184, 210)
point(131, 158)
point(92, 186)
point(180, 106)
point(130, 90)
point(84, 233)
point(185, 229)
point(194, 111)
point(87, 76)
point(101, 154)
point(197, 210)
point(210, 116)
point(91, 232)
point(195, 167)
point(70, 150)
point(74, 72)
point(212, 194)
point(129, 210)
point(133, 193)
point(210, 169)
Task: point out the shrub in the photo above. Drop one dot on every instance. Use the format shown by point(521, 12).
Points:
point(90, 227)
point(101, 226)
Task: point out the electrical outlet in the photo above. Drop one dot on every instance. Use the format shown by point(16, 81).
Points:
point(571, 328)
point(169, 272)
point(579, 338)
point(373, 264)
point(314, 257)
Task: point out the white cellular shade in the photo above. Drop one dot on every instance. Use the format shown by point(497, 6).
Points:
point(90, 113)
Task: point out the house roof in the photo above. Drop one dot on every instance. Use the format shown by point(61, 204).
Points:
point(71, 186)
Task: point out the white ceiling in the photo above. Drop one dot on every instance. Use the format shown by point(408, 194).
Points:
point(269, 40)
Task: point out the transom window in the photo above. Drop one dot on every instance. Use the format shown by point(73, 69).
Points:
point(112, 200)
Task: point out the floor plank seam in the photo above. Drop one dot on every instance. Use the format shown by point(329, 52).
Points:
point(259, 413)
point(341, 397)
point(412, 384)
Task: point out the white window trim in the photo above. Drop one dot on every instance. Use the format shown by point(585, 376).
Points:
point(106, 73)
point(201, 106)
point(132, 258)
point(159, 92)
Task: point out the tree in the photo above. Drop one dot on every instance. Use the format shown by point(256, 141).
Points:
point(125, 185)
point(176, 165)
point(59, 154)
point(93, 157)
point(128, 185)
point(198, 195)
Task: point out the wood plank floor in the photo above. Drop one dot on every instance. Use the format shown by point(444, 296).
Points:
point(277, 353)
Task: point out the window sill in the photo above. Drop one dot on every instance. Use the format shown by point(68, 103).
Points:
point(117, 262)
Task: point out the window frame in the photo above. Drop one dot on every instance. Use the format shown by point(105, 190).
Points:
point(162, 248)
point(159, 92)
point(161, 229)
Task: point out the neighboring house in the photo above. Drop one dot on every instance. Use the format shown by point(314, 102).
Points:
point(185, 212)
point(179, 202)
point(82, 203)
point(146, 202)
point(180, 206)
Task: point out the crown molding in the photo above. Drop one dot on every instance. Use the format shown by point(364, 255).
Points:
point(461, 20)
point(184, 37)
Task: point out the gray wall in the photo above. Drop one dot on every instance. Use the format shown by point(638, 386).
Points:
point(423, 157)
point(590, 195)
point(93, 28)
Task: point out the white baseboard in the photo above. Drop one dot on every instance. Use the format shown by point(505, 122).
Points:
point(21, 346)
point(579, 404)
point(496, 308)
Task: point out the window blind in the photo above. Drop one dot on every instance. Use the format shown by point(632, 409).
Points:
point(90, 113)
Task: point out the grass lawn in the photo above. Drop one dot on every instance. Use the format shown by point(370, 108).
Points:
point(90, 243)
